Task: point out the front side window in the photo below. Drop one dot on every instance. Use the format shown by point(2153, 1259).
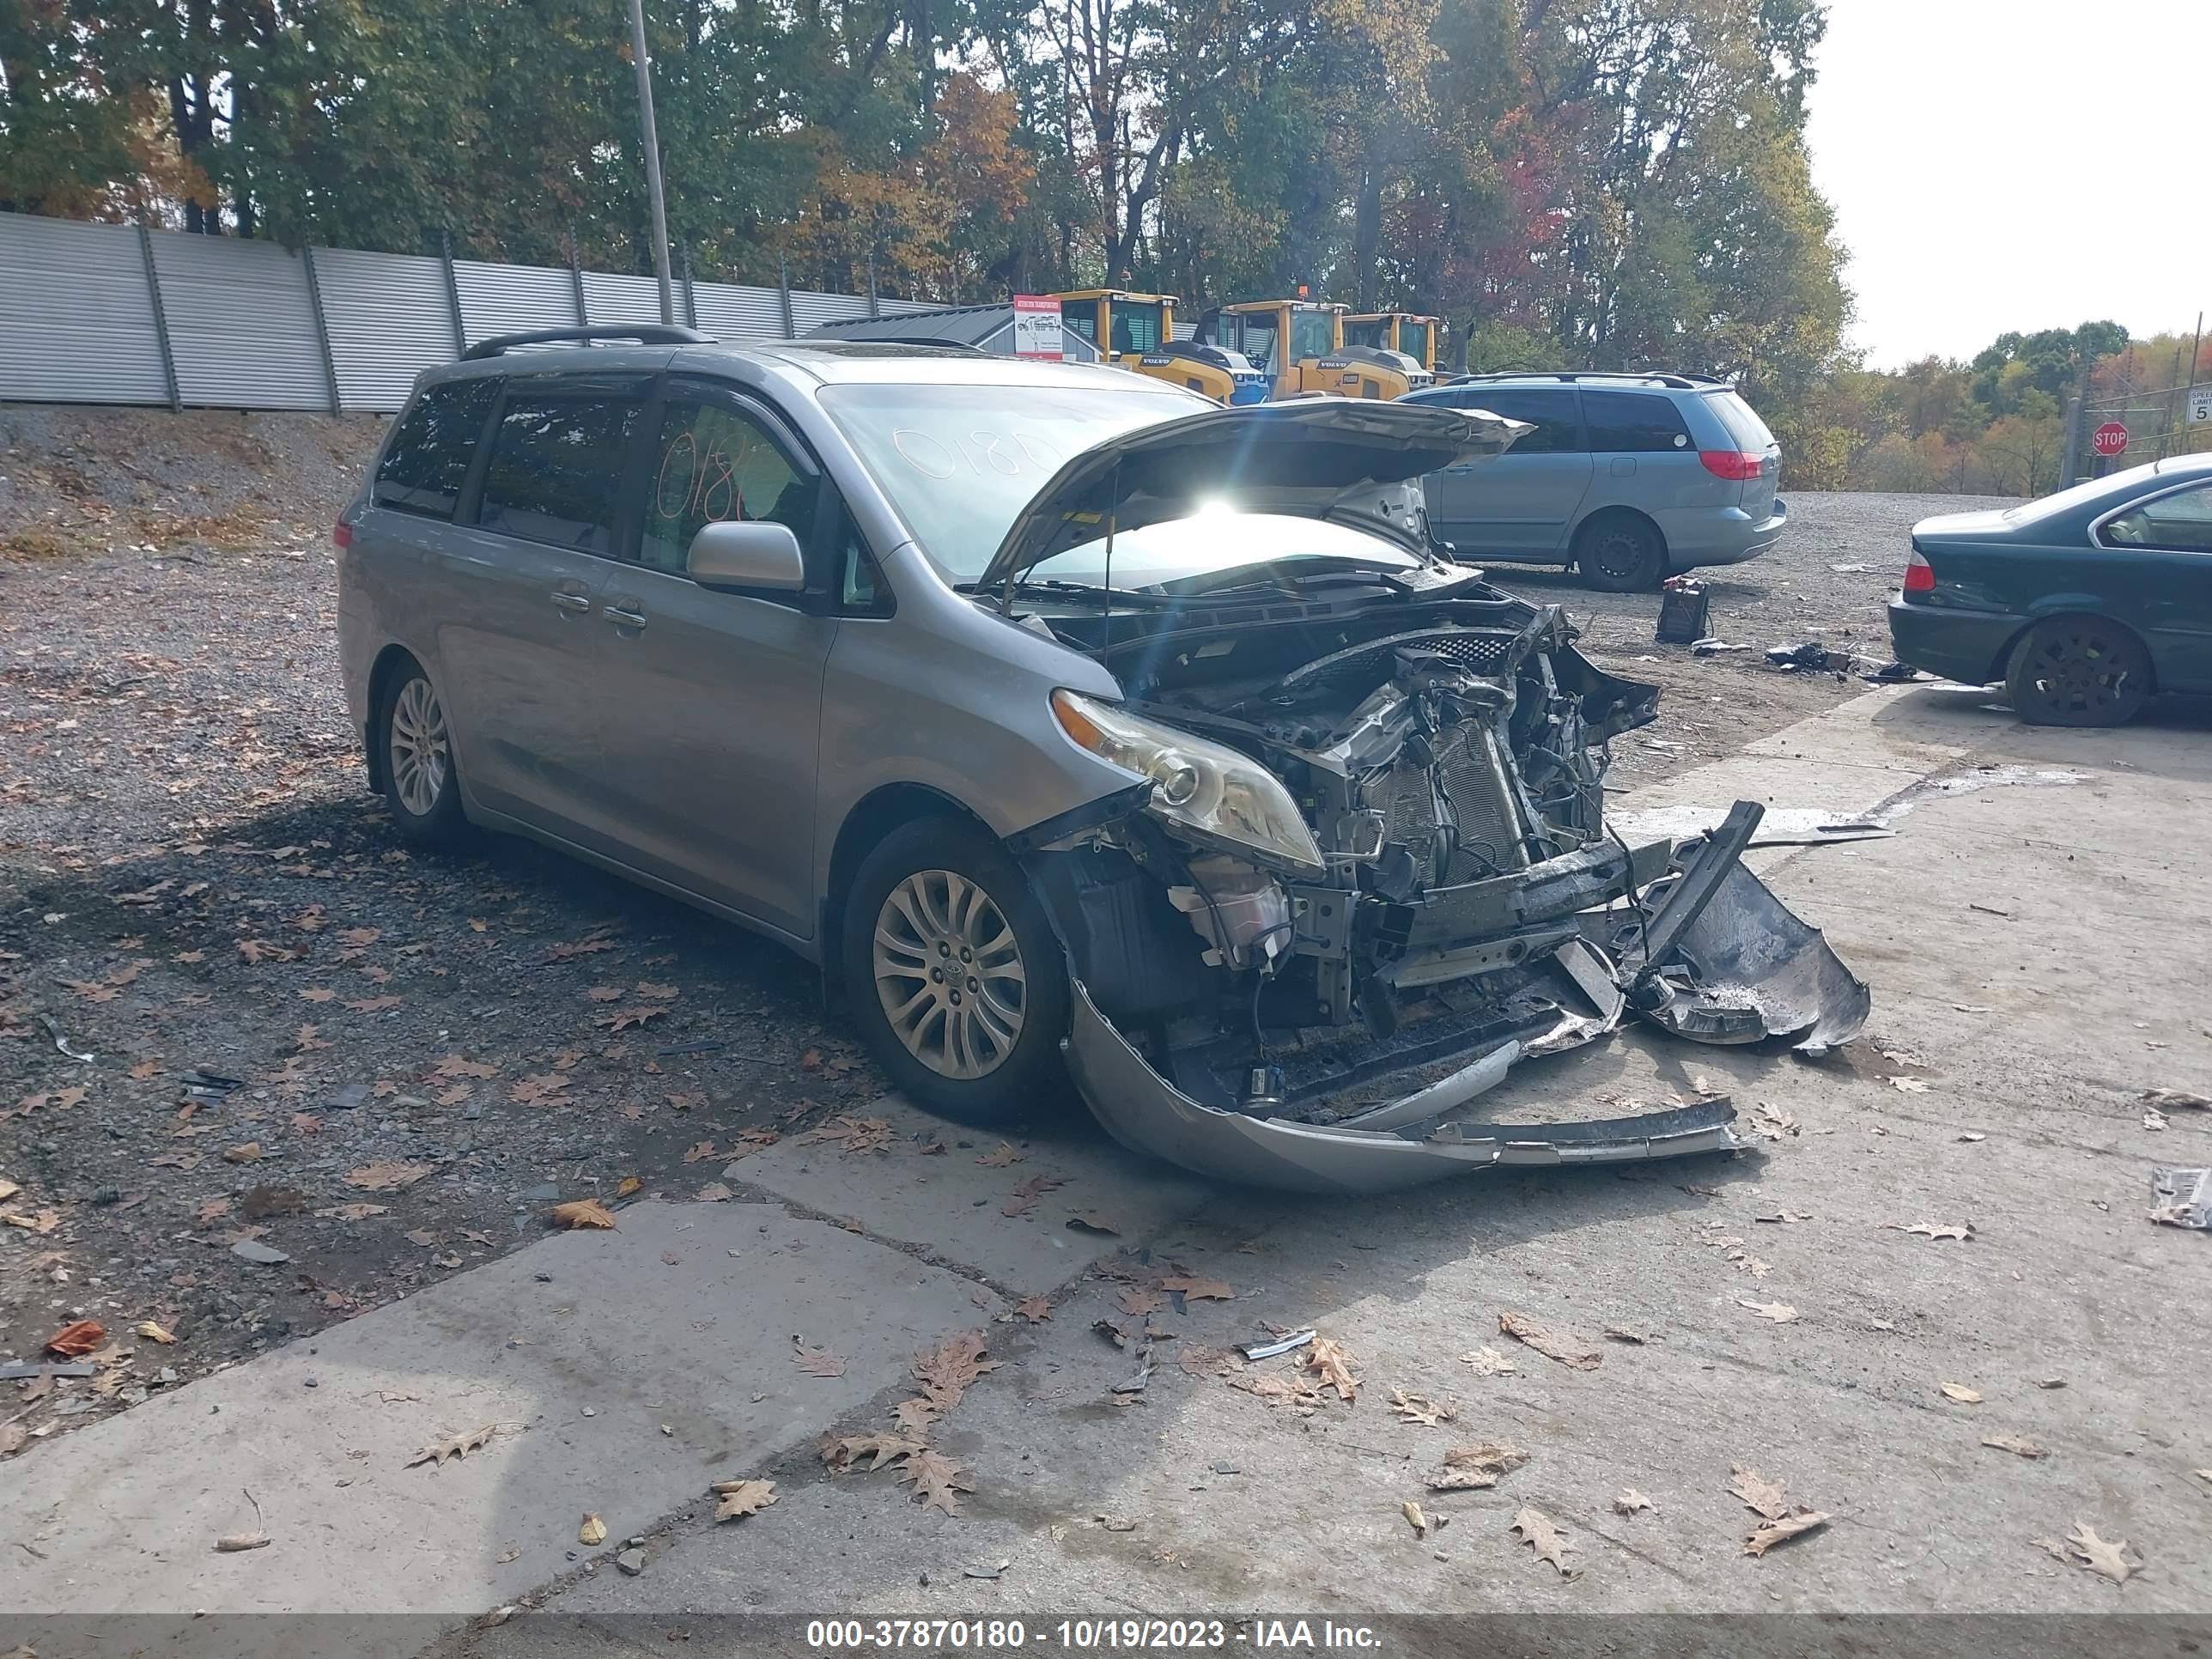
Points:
point(1256, 338)
point(430, 454)
point(2179, 523)
point(1551, 413)
point(556, 469)
point(1636, 422)
point(712, 464)
point(1413, 341)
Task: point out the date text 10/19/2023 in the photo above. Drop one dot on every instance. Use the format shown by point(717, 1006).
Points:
point(990, 1636)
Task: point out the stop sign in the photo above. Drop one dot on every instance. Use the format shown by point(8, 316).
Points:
point(2109, 439)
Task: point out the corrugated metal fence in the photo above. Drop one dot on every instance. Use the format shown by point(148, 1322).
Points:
point(113, 314)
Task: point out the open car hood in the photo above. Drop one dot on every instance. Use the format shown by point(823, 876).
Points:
point(1307, 459)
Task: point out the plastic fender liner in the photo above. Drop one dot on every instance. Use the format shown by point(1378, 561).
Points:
point(1144, 1112)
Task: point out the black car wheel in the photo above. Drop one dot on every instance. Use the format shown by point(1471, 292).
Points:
point(416, 755)
point(956, 978)
point(2078, 670)
point(1619, 554)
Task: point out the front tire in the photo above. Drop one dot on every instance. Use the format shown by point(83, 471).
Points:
point(2078, 670)
point(416, 754)
point(956, 978)
point(1618, 553)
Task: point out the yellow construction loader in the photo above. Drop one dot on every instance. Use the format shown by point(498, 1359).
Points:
point(1405, 332)
point(1299, 345)
point(1137, 331)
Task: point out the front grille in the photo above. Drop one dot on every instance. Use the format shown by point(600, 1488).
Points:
point(1479, 650)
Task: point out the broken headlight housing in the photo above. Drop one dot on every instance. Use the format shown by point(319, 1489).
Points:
point(1215, 793)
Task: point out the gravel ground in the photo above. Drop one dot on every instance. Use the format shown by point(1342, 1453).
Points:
point(430, 1051)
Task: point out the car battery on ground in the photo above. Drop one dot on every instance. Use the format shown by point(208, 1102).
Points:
point(1682, 607)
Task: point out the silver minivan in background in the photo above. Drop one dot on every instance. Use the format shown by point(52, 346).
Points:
point(1080, 729)
point(1627, 477)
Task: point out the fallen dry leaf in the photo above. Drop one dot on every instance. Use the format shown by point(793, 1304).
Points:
point(354, 1212)
point(1780, 1312)
point(735, 1499)
point(623, 1019)
point(1025, 1195)
point(1767, 1498)
point(816, 1362)
point(1764, 1538)
point(1199, 1290)
point(2017, 1447)
point(845, 1452)
point(1961, 1231)
point(1577, 1352)
point(858, 1135)
point(1294, 1392)
point(459, 1446)
point(1542, 1534)
point(2100, 1556)
point(1771, 1121)
point(936, 1480)
point(946, 1372)
point(1035, 1308)
point(1094, 1221)
point(1001, 1159)
point(387, 1176)
point(1629, 1501)
point(1118, 1333)
point(154, 1332)
point(583, 1212)
point(231, 1542)
point(1960, 1394)
point(713, 1192)
point(373, 1005)
point(591, 1529)
point(1499, 1456)
point(1419, 1408)
point(1910, 1085)
point(1330, 1362)
point(453, 1065)
point(700, 1152)
point(629, 1184)
point(1136, 1301)
point(1488, 1362)
point(248, 1153)
point(1414, 1518)
point(74, 1341)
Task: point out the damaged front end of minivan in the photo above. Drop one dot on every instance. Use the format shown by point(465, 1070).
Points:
point(1367, 870)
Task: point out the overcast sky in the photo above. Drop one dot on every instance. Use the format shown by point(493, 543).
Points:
point(2001, 164)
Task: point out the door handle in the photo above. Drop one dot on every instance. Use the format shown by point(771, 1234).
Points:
point(565, 601)
point(622, 617)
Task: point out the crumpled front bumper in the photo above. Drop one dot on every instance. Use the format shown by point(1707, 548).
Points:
point(1146, 1113)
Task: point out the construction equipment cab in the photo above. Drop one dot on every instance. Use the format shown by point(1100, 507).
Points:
point(1124, 326)
point(1287, 340)
point(1404, 332)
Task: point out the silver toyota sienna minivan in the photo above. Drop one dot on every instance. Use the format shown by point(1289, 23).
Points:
point(1078, 728)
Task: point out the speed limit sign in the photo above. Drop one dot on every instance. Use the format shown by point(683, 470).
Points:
point(2109, 439)
point(2200, 404)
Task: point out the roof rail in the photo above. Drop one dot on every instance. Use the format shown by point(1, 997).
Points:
point(1679, 382)
point(643, 333)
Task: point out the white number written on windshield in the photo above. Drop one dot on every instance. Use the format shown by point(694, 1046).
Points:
point(980, 453)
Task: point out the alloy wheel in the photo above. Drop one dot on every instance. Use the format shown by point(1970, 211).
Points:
point(949, 974)
point(417, 747)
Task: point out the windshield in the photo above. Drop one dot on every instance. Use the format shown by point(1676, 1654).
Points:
point(1217, 539)
point(958, 462)
point(1135, 327)
point(1312, 334)
point(1369, 332)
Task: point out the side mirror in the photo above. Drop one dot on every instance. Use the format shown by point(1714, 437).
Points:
point(754, 555)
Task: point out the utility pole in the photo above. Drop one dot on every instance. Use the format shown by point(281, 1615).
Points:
point(644, 62)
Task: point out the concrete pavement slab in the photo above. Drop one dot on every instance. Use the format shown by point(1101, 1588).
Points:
point(626, 1372)
point(954, 1205)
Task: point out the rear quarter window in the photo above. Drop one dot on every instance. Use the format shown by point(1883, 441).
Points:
point(430, 454)
point(1740, 420)
point(1637, 421)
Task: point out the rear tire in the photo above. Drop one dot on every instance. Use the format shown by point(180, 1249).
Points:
point(415, 753)
point(1618, 553)
point(956, 979)
point(2078, 670)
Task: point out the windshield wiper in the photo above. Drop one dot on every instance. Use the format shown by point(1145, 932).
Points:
point(1054, 588)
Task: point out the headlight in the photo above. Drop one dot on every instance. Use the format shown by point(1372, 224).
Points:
point(1209, 789)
